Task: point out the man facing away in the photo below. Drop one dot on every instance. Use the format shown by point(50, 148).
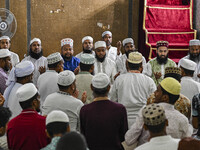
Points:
point(133, 88)
point(155, 121)
point(103, 122)
point(27, 130)
point(47, 82)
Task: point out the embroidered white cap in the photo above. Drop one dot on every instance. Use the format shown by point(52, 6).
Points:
point(54, 58)
point(135, 57)
point(66, 41)
point(66, 78)
point(26, 91)
point(100, 81)
point(4, 53)
point(100, 44)
point(106, 32)
point(4, 38)
point(57, 116)
point(127, 40)
point(87, 38)
point(87, 59)
point(35, 40)
point(194, 42)
point(188, 64)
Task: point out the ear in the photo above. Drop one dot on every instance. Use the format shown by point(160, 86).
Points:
point(91, 87)
point(68, 128)
point(166, 123)
point(91, 69)
point(47, 133)
point(145, 127)
point(1, 130)
point(165, 98)
point(35, 103)
point(108, 89)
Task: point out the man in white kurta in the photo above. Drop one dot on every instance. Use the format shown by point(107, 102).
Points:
point(47, 82)
point(64, 101)
point(189, 87)
point(178, 124)
point(5, 43)
point(20, 74)
point(193, 54)
point(111, 52)
point(129, 47)
point(133, 88)
point(37, 58)
point(87, 43)
point(155, 68)
point(102, 63)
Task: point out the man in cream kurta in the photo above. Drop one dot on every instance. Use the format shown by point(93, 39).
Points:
point(155, 68)
point(133, 88)
point(189, 87)
point(102, 63)
point(129, 46)
point(37, 58)
point(47, 82)
point(64, 101)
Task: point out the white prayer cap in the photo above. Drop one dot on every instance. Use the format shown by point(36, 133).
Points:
point(24, 68)
point(100, 81)
point(194, 42)
point(188, 64)
point(128, 40)
point(54, 58)
point(67, 41)
point(66, 78)
point(87, 59)
point(57, 116)
point(26, 91)
point(135, 57)
point(87, 38)
point(4, 38)
point(4, 53)
point(100, 44)
point(35, 40)
point(106, 32)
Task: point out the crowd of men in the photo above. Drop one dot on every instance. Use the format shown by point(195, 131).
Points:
point(99, 99)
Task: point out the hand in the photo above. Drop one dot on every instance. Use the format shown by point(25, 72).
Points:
point(75, 93)
point(157, 75)
point(42, 69)
point(76, 71)
point(2, 100)
point(116, 75)
point(119, 46)
point(84, 97)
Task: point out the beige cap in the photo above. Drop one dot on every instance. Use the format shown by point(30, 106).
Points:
point(54, 58)
point(135, 58)
point(66, 78)
point(57, 116)
point(100, 81)
point(4, 53)
point(100, 44)
point(26, 91)
point(127, 40)
point(35, 40)
point(188, 64)
point(153, 114)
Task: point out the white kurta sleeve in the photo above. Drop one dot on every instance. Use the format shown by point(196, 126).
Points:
point(147, 70)
point(113, 93)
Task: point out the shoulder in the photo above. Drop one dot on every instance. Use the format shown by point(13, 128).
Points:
point(75, 59)
point(14, 54)
point(110, 61)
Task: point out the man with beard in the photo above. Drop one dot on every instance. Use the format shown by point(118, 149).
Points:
point(111, 52)
point(64, 99)
point(193, 55)
point(37, 58)
point(87, 43)
point(27, 130)
point(20, 74)
point(5, 65)
point(70, 62)
point(129, 47)
point(155, 68)
point(102, 63)
point(47, 82)
point(5, 43)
